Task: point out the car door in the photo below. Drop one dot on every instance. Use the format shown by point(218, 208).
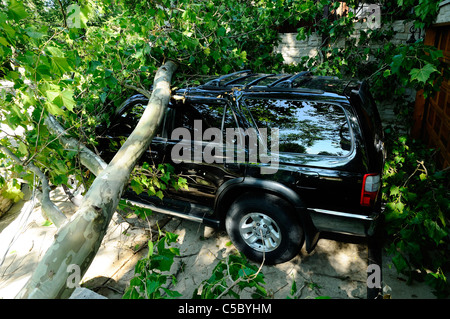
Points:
point(123, 124)
point(197, 150)
point(314, 145)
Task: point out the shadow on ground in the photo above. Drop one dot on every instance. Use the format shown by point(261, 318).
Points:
point(336, 268)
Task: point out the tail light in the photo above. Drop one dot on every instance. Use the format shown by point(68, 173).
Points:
point(371, 186)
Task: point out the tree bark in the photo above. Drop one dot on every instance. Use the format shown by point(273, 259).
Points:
point(77, 241)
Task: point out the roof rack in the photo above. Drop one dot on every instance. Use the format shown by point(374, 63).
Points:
point(283, 89)
point(279, 80)
point(238, 79)
point(290, 79)
point(284, 82)
point(255, 81)
point(216, 82)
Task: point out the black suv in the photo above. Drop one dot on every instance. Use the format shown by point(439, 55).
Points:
point(274, 158)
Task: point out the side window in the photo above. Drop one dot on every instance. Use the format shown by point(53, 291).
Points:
point(305, 127)
point(130, 117)
point(210, 115)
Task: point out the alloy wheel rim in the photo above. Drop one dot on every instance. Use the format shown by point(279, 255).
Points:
point(260, 232)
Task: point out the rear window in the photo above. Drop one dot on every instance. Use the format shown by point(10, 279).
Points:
point(305, 127)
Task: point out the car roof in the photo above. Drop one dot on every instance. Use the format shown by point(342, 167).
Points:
point(302, 82)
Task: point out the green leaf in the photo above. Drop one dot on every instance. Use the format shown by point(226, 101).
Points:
point(54, 109)
point(397, 61)
point(61, 99)
point(400, 206)
point(13, 193)
point(55, 52)
point(205, 69)
point(22, 148)
point(216, 55)
point(172, 293)
point(159, 194)
point(35, 34)
point(435, 232)
point(394, 190)
point(136, 186)
point(17, 10)
point(60, 65)
point(171, 237)
point(226, 68)
point(422, 75)
point(84, 15)
point(152, 286)
point(150, 249)
point(221, 31)
point(293, 288)
point(400, 263)
point(47, 223)
point(4, 42)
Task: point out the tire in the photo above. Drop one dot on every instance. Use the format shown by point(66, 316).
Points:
point(263, 228)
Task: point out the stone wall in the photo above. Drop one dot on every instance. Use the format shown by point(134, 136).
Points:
point(444, 13)
point(293, 50)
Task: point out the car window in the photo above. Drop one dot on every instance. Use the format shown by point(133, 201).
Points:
point(305, 127)
point(206, 115)
point(130, 117)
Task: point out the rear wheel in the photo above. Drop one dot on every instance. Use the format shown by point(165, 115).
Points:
point(263, 227)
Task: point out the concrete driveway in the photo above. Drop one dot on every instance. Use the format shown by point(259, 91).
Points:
point(334, 269)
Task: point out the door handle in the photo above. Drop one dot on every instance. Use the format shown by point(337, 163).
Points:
point(154, 154)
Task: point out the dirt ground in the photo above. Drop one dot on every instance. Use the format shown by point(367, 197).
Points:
point(334, 269)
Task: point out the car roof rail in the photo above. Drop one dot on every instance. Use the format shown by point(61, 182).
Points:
point(279, 80)
point(257, 80)
point(216, 82)
point(238, 79)
point(283, 89)
point(287, 81)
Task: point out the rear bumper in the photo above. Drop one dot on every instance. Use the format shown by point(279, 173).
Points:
point(344, 223)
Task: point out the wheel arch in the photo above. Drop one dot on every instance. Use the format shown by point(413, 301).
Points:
point(232, 189)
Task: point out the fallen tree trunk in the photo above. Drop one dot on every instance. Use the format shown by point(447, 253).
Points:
point(77, 241)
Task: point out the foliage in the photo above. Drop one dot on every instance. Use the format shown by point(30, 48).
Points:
point(370, 55)
point(151, 273)
point(154, 180)
point(230, 277)
point(11, 189)
point(417, 213)
point(295, 293)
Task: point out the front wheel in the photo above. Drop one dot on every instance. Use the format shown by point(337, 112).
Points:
point(263, 227)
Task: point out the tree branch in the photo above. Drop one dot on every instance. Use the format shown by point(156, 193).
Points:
point(88, 158)
point(63, 13)
point(48, 207)
point(142, 91)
